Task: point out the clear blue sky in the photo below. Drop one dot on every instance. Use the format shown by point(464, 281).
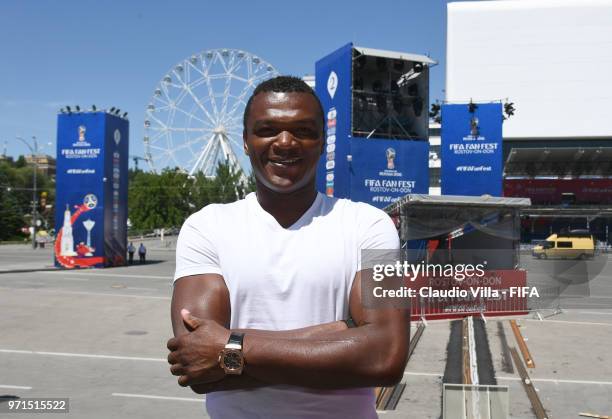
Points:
point(113, 53)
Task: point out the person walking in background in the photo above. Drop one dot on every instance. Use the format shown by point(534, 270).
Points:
point(131, 250)
point(142, 252)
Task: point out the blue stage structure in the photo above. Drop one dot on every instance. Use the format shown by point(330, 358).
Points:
point(91, 190)
point(376, 105)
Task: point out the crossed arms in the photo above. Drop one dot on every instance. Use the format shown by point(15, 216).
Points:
point(326, 356)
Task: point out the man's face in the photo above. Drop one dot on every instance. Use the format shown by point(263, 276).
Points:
point(284, 139)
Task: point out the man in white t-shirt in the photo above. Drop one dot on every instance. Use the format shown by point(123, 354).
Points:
point(267, 311)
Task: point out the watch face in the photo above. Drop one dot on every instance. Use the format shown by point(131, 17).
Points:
point(232, 359)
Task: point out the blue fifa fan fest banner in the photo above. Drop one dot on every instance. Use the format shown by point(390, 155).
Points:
point(376, 171)
point(333, 87)
point(471, 150)
point(91, 190)
point(386, 170)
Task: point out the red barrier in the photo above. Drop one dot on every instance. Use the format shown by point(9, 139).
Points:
point(496, 293)
point(548, 191)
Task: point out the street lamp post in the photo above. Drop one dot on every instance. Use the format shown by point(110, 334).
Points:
point(34, 151)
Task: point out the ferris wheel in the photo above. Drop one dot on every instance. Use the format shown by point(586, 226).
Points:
point(194, 119)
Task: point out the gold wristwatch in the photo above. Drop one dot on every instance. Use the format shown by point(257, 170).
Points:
point(231, 358)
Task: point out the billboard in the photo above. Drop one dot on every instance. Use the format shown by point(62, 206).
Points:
point(333, 87)
point(471, 149)
point(91, 190)
point(367, 159)
point(387, 170)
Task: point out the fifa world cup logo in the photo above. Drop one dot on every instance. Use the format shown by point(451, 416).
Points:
point(82, 130)
point(474, 128)
point(390, 158)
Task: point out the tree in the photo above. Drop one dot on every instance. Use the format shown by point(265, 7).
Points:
point(158, 200)
point(16, 182)
point(167, 199)
point(11, 219)
point(251, 185)
point(227, 185)
point(21, 162)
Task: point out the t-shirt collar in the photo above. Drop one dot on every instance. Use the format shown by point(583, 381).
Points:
point(303, 220)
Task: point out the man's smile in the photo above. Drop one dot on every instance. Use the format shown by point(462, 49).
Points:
point(285, 162)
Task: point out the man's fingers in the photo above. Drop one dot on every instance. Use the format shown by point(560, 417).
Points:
point(183, 381)
point(177, 369)
point(190, 320)
point(173, 358)
point(172, 344)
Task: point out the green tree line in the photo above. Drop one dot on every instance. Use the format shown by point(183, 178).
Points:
point(155, 200)
point(16, 187)
point(168, 198)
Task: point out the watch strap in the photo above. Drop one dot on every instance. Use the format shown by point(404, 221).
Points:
point(350, 323)
point(236, 339)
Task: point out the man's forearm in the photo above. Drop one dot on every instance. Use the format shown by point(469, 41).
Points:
point(369, 355)
point(325, 356)
point(244, 382)
point(317, 331)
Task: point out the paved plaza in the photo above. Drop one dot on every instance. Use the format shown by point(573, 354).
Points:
point(98, 337)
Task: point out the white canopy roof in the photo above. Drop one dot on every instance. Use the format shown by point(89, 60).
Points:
point(458, 200)
point(396, 55)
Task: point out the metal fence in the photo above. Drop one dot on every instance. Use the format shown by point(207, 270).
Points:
point(500, 293)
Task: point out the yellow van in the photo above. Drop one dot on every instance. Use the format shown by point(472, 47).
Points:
point(577, 244)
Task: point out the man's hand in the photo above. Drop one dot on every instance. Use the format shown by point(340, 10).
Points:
point(194, 357)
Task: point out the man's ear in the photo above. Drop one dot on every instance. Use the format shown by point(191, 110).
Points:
point(244, 142)
point(322, 145)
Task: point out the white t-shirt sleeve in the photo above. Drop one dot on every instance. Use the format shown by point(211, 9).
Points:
point(377, 232)
point(195, 248)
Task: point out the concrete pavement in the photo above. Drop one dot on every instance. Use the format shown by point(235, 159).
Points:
point(98, 337)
